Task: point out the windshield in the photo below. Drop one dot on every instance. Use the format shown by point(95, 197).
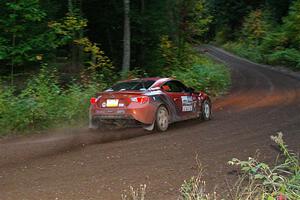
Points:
point(131, 85)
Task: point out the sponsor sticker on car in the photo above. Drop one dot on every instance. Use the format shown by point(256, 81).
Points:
point(187, 103)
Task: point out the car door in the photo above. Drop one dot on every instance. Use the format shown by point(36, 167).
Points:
point(188, 101)
point(180, 97)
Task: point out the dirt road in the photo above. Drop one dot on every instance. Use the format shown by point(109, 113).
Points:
point(260, 103)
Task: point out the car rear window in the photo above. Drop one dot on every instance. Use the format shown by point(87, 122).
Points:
point(132, 85)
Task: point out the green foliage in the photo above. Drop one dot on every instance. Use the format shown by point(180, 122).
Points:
point(43, 104)
point(98, 65)
point(134, 73)
point(169, 54)
point(68, 28)
point(268, 182)
point(204, 75)
point(222, 35)
point(255, 27)
point(286, 57)
point(19, 41)
point(228, 15)
point(279, 45)
point(292, 25)
point(244, 50)
point(99, 59)
point(196, 22)
point(274, 41)
point(193, 69)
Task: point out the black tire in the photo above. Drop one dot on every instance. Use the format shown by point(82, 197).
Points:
point(206, 110)
point(162, 119)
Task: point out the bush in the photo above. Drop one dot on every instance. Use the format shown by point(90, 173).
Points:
point(292, 25)
point(255, 26)
point(279, 45)
point(204, 75)
point(193, 69)
point(287, 57)
point(278, 56)
point(246, 51)
point(265, 182)
point(43, 104)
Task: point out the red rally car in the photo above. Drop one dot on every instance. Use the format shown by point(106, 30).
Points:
point(153, 103)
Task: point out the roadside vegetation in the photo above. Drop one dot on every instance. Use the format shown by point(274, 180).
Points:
point(265, 37)
point(45, 102)
point(257, 180)
point(195, 70)
point(49, 72)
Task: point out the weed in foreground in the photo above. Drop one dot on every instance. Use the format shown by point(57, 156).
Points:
point(135, 194)
point(261, 181)
point(258, 181)
point(195, 189)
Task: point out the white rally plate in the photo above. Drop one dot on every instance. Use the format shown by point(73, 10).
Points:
point(112, 102)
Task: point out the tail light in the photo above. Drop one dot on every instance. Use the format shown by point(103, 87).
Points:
point(140, 99)
point(93, 100)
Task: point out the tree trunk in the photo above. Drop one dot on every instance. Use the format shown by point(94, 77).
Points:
point(76, 51)
point(126, 40)
point(12, 61)
point(70, 6)
point(141, 47)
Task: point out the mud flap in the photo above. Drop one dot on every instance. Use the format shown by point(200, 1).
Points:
point(92, 125)
point(149, 127)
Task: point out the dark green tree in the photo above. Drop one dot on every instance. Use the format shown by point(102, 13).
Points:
point(25, 37)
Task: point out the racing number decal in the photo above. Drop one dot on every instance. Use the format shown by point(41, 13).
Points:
point(187, 103)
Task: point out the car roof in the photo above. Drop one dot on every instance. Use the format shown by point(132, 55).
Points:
point(142, 79)
point(158, 81)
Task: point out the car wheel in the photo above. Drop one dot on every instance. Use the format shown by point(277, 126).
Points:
point(162, 119)
point(206, 110)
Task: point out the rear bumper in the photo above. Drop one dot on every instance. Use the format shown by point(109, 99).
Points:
point(122, 121)
point(126, 117)
point(143, 113)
